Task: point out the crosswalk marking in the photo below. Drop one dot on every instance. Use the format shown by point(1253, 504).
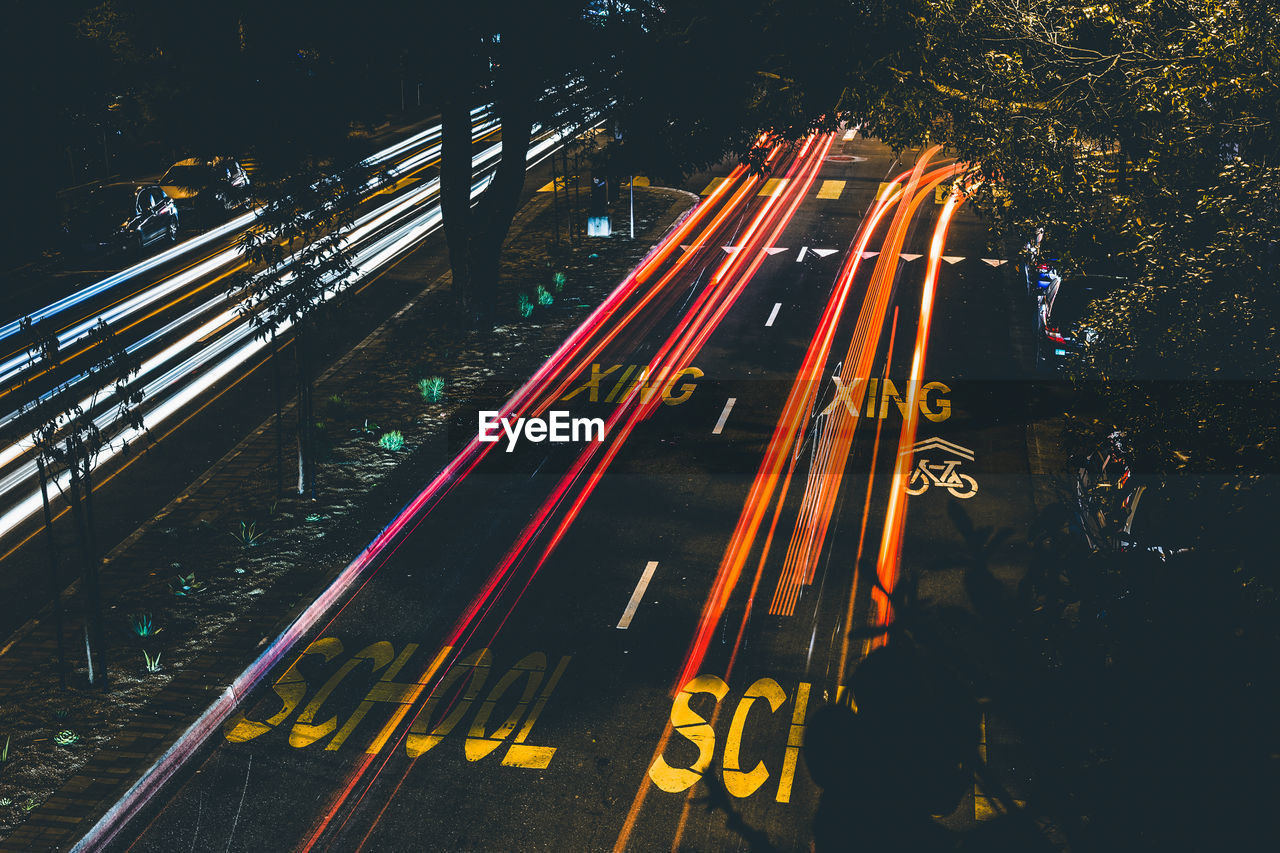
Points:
point(772, 186)
point(906, 256)
point(713, 186)
point(995, 262)
point(886, 190)
point(849, 134)
point(951, 259)
point(831, 189)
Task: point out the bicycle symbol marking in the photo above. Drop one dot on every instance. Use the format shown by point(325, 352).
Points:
point(942, 474)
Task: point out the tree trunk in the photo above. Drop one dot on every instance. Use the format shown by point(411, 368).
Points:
point(54, 578)
point(94, 644)
point(475, 235)
point(279, 393)
point(306, 425)
point(455, 199)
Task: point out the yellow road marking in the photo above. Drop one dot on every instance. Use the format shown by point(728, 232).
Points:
point(772, 186)
point(831, 189)
point(639, 181)
point(713, 186)
point(886, 190)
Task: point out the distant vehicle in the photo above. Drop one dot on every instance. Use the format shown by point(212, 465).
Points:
point(206, 187)
point(1059, 335)
point(119, 217)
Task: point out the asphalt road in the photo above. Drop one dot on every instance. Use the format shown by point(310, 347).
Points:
point(625, 644)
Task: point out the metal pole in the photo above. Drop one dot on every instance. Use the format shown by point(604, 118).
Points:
point(632, 187)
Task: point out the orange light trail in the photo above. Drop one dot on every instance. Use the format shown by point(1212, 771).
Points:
point(890, 555)
point(466, 461)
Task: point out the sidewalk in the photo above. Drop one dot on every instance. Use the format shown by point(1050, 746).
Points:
point(52, 792)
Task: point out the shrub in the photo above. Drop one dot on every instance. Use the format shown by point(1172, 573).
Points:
point(185, 586)
point(393, 440)
point(143, 625)
point(249, 533)
point(153, 663)
point(66, 737)
point(526, 307)
point(558, 281)
point(335, 408)
point(431, 389)
point(544, 297)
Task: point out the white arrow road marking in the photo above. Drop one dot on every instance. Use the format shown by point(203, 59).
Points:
point(724, 416)
point(731, 249)
point(773, 315)
point(951, 259)
point(634, 603)
point(866, 255)
point(773, 250)
point(822, 253)
point(906, 256)
point(995, 262)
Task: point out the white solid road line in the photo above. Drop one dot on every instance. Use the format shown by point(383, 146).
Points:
point(777, 306)
point(634, 603)
point(724, 416)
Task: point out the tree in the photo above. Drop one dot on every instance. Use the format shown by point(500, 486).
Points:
point(300, 258)
point(545, 65)
point(70, 415)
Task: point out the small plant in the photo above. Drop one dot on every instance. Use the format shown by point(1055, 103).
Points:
point(185, 586)
point(526, 307)
point(4, 753)
point(248, 535)
point(29, 805)
point(335, 407)
point(5, 802)
point(273, 508)
point(142, 625)
point(66, 737)
point(61, 714)
point(558, 281)
point(153, 663)
point(367, 429)
point(313, 517)
point(431, 389)
point(544, 296)
point(393, 440)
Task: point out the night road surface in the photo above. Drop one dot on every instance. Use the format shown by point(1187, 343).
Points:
point(621, 645)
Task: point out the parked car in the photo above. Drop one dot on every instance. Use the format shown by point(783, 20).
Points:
point(93, 223)
point(206, 187)
point(1059, 334)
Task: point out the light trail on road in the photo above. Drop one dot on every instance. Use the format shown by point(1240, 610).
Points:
point(682, 345)
point(182, 383)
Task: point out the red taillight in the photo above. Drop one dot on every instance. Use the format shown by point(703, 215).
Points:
point(1051, 332)
point(1042, 267)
